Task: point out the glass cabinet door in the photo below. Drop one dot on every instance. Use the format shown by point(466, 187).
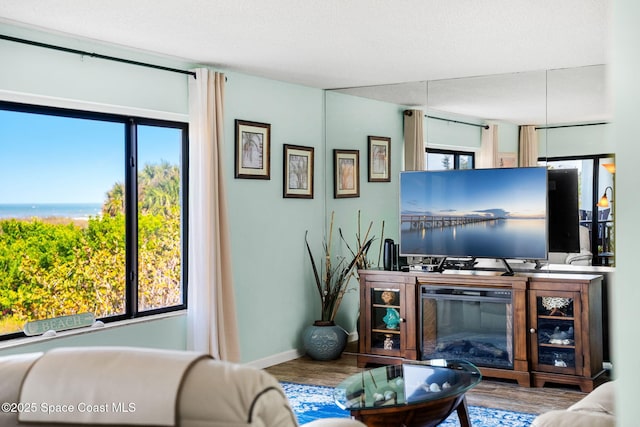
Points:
point(386, 320)
point(557, 331)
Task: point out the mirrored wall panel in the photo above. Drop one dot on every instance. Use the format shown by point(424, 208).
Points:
point(568, 112)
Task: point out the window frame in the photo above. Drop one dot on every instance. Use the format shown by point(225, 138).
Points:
point(456, 155)
point(130, 124)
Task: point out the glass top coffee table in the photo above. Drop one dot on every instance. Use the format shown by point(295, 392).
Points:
point(417, 394)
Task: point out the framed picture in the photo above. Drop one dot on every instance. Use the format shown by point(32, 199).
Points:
point(379, 159)
point(346, 173)
point(507, 160)
point(253, 150)
point(298, 172)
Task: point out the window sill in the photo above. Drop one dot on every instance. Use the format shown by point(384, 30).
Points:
point(26, 341)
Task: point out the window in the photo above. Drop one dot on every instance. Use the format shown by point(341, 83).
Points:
point(595, 178)
point(92, 215)
point(447, 159)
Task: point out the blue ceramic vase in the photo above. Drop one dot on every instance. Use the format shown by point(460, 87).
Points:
point(324, 340)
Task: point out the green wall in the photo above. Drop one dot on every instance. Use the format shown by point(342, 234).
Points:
point(459, 136)
point(584, 140)
point(350, 120)
point(166, 333)
point(552, 142)
point(276, 298)
point(450, 135)
point(624, 137)
point(275, 295)
point(57, 77)
point(508, 137)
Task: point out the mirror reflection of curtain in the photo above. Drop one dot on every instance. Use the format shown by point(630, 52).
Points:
point(211, 315)
point(528, 146)
point(488, 155)
point(414, 140)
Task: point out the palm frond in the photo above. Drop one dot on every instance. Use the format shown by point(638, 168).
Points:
point(313, 265)
point(335, 278)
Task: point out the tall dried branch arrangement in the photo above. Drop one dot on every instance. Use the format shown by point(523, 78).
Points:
point(333, 281)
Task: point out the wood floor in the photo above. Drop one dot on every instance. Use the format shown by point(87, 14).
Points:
point(489, 393)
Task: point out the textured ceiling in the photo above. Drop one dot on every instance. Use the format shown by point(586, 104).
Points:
point(568, 95)
point(337, 43)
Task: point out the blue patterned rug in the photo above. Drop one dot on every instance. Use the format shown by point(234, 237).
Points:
point(311, 402)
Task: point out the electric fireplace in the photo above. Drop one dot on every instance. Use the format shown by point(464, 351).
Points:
point(473, 324)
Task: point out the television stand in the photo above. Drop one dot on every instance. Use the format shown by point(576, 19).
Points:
point(459, 264)
point(538, 264)
point(507, 267)
point(468, 265)
point(532, 358)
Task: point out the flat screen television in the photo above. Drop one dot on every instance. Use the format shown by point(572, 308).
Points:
point(564, 219)
point(478, 213)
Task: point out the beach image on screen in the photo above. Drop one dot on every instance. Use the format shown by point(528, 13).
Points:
point(490, 213)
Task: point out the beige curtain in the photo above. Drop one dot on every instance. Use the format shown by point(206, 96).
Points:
point(488, 155)
point(413, 140)
point(211, 314)
point(528, 146)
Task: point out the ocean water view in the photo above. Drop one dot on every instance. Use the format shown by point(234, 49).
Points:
point(50, 210)
point(501, 238)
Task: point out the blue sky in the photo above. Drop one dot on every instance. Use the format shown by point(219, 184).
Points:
point(519, 191)
point(47, 159)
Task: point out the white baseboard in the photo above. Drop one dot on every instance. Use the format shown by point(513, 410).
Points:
point(276, 359)
point(288, 355)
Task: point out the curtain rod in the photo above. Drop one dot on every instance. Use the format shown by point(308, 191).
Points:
point(410, 113)
point(457, 121)
point(95, 55)
point(572, 126)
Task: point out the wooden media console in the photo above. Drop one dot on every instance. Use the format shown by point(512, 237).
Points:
point(548, 325)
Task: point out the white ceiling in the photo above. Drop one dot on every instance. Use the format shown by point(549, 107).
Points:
point(561, 96)
point(350, 43)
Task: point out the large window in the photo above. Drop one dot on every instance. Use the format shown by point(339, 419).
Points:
point(92, 215)
point(436, 159)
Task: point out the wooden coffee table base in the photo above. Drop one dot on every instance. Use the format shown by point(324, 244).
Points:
point(426, 414)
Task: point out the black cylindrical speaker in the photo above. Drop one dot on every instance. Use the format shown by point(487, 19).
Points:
point(396, 257)
point(388, 254)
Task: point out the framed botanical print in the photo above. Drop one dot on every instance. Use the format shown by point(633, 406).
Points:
point(346, 175)
point(252, 150)
point(298, 172)
point(379, 159)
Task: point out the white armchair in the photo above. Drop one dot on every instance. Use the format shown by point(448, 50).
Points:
point(141, 387)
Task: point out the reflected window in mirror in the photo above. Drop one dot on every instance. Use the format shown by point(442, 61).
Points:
point(437, 159)
point(596, 188)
